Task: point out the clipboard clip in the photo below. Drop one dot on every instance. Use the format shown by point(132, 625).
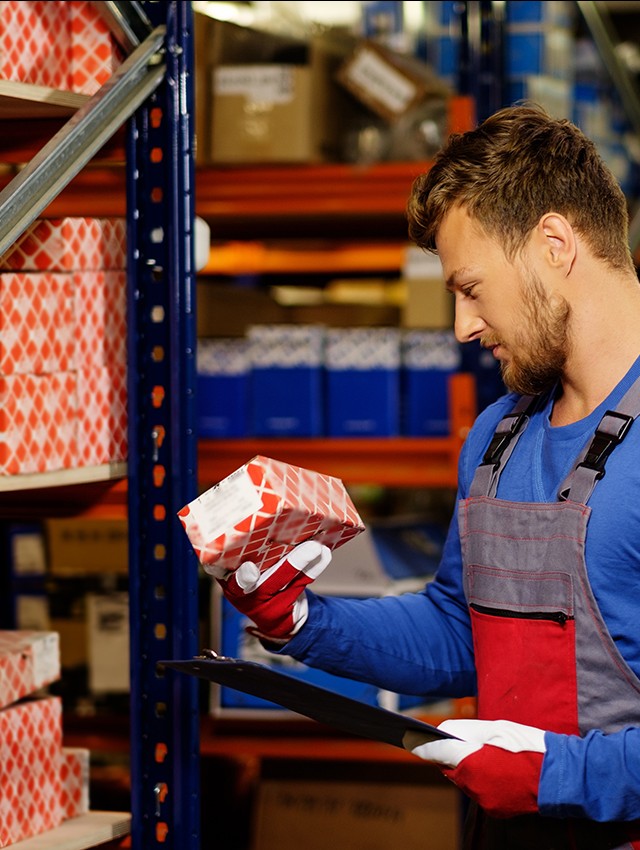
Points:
point(210, 655)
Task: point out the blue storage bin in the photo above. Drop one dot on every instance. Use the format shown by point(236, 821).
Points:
point(286, 393)
point(222, 388)
point(363, 382)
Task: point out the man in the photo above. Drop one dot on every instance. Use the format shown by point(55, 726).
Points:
point(536, 603)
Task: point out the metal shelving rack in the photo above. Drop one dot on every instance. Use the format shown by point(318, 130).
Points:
point(162, 451)
point(153, 91)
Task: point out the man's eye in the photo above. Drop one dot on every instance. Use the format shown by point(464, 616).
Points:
point(468, 291)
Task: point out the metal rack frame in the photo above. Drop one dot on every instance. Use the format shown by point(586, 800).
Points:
point(162, 451)
point(153, 89)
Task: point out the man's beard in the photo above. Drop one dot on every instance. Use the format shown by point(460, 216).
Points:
point(539, 351)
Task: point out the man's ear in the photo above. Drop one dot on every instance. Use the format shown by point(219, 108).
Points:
point(557, 240)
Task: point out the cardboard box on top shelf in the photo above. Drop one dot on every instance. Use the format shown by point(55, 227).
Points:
point(95, 54)
point(35, 43)
point(265, 97)
point(294, 813)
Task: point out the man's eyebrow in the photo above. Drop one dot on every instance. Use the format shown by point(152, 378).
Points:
point(452, 282)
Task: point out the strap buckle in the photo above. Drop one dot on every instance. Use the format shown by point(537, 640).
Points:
point(604, 443)
point(508, 427)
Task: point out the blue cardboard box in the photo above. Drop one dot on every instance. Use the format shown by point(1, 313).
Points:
point(363, 382)
point(539, 51)
point(558, 13)
point(286, 396)
point(429, 358)
point(222, 402)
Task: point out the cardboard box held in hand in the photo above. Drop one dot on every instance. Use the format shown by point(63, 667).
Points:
point(263, 510)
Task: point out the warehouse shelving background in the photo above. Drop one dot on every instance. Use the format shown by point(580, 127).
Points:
point(165, 467)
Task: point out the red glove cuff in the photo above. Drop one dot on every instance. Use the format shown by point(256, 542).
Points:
point(503, 783)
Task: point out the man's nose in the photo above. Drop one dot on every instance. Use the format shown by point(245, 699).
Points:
point(468, 324)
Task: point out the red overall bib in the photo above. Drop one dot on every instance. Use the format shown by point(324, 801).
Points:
point(544, 656)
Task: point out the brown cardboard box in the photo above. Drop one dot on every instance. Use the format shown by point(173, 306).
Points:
point(262, 113)
point(262, 121)
point(428, 304)
point(388, 83)
point(87, 547)
point(291, 814)
point(226, 310)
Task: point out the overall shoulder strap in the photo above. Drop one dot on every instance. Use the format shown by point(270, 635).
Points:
point(503, 442)
point(589, 468)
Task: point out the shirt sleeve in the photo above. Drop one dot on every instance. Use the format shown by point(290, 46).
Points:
point(595, 777)
point(416, 643)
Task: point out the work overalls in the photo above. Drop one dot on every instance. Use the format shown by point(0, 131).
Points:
point(543, 654)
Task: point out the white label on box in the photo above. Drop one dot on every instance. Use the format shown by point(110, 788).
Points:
point(46, 659)
point(369, 71)
point(225, 505)
point(263, 83)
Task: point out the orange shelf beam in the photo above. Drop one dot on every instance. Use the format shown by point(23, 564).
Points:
point(235, 258)
point(388, 461)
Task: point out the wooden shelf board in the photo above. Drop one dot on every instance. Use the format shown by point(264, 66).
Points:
point(79, 833)
point(23, 100)
point(63, 477)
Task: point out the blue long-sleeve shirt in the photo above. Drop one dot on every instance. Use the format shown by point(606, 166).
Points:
point(421, 642)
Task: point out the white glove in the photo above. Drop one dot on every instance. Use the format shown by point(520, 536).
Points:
point(275, 599)
point(496, 762)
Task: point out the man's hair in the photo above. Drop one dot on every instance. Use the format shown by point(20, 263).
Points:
point(512, 169)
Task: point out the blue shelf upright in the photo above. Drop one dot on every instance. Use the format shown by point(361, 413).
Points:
point(163, 569)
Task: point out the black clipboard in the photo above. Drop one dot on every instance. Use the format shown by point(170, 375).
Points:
point(320, 704)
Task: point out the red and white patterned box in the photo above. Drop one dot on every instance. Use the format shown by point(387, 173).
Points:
point(38, 422)
point(101, 318)
point(29, 660)
point(35, 42)
point(74, 782)
point(69, 244)
point(94, 53)
point(264, 509)
point(102, 415)
point(30, 762)
point(37, 323)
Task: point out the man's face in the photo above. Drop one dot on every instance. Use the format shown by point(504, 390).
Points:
point(504, 304)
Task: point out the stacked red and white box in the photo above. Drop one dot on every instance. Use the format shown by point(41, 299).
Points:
point(29, 661)
point(63, 322)
point(102, 415)
point(35, 43)
point(264, 509)
point(74, 782)
point(30, 769)
point(69, 244)
point(101, 318)
point(37, 323)
point(94, 53)
point(38, 422)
